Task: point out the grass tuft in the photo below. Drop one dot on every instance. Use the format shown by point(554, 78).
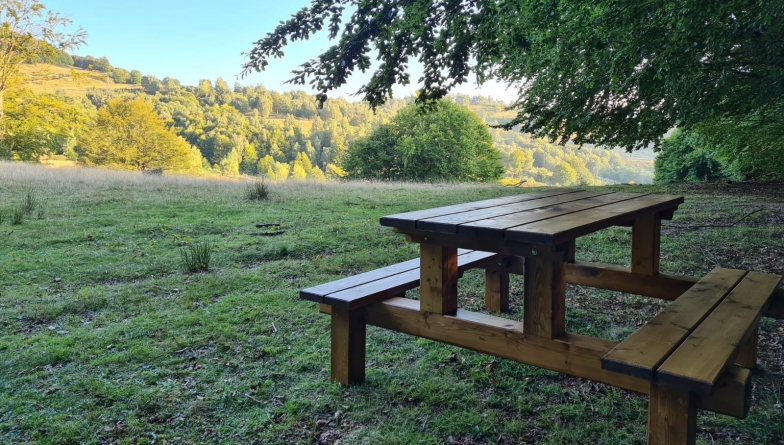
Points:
point(17, 216)
point(257, 191)
point(196, 257)
point(30, 202)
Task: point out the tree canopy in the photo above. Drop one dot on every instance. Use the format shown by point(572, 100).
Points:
point(130, 135)
point(608, 72)
point(448, 144)
point(29, 32)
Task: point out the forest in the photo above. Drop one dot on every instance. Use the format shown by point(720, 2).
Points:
point(151, 124)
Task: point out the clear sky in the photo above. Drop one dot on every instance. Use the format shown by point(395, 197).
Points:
point(191, 40)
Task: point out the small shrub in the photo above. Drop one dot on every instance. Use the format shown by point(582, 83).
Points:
point(257, 191)
point(17, 217)
point(196, 257)
point(30, 202)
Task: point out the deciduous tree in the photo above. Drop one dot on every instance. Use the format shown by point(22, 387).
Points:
point(448, 144)
point(130, 135)
point(29, 31)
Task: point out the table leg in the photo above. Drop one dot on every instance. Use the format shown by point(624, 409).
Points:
point(438, 279)
point(544, 297)
point(496, 290)
point(672, 416)
point(646, 239)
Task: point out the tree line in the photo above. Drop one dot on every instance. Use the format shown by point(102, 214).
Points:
point(250, 130)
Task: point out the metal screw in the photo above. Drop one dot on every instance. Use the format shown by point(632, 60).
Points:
point(534, 251)
point(425, 238)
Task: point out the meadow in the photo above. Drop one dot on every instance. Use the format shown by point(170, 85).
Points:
point(107, 338)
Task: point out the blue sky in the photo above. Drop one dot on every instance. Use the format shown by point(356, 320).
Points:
point(196, 39)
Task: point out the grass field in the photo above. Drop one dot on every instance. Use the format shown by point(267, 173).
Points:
point(105, 339)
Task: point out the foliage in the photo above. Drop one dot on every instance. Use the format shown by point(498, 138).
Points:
point(39, 125)
point(447, 143)
point(601, 72)
point(749, 148)
point(196, 257)
point(27, 32)
point(130, 135)
point(686, 156)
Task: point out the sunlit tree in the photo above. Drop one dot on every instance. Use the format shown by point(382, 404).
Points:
point(27, 31)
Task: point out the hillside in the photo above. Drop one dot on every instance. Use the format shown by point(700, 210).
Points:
point(43, 78)
point(251, 130)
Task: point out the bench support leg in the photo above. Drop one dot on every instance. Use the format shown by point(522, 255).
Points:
point(496, 291)
point(748, 355)
point(672, 416)
point(348, 346)
point(646, 236)
point(544, 297)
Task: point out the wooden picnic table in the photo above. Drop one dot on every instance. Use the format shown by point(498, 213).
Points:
point(542, 227)
point(697, 353)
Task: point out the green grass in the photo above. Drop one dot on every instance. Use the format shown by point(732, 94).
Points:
point(104, 338)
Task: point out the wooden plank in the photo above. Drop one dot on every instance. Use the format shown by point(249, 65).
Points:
point(317, 293)
point(448, 223)
point(644, 350)
point(731, 396)
point(699, 361)
point(565, 227)
point(438, 282)
point(496, 291)
point(494, 227)
point(555, 253)
point(672, 416)
point(348, 346)
point(544, 297)
point(748, 355)
point(394, 285)
point(620, 279)
point(408, 220)
point(571, 354)
point(646, 239)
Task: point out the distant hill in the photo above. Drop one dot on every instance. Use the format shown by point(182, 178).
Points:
point(44, 78)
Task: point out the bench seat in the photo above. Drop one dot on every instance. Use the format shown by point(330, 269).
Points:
point(391, 281)
point(688, 349)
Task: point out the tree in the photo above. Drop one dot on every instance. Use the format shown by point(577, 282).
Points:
point(607, 72)
point(448, 144)
point(28, 31)
point(130, 135)
point(37, 126)
point(686, 157)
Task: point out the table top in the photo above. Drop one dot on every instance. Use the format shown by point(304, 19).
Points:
point(549, 217)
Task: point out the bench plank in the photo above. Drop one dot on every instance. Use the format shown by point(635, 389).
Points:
point(391, 285)
point(699, 361)
point(641, 353)
point(317, 293)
